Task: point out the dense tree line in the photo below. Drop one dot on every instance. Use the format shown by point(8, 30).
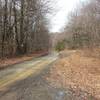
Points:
point(84, 26)
point(23, 26)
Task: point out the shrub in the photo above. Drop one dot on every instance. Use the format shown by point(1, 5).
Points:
point(60, 46)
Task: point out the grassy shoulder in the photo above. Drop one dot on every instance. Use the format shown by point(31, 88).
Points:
point(80, 70)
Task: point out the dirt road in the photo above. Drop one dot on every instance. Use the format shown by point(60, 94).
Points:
point(25, 81)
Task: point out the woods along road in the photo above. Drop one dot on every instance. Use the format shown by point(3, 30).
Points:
point(25, 81)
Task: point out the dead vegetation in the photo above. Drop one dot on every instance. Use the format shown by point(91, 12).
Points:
point(78, 71)
point(4, 63)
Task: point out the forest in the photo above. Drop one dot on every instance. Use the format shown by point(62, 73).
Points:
point(49, 50)
point(82, 28)
point(85, 26)
point(23, 27)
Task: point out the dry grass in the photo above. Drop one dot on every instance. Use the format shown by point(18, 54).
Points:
point(77, 71)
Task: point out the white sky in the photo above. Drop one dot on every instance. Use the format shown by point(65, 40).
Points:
point(63, 8)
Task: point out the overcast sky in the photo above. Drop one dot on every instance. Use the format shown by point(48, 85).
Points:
point(63, 8)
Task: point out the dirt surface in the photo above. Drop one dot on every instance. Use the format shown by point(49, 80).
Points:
point(36, 87)
point(78, 71)
point(25, 69)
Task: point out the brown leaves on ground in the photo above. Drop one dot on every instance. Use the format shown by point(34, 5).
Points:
point(5, 62)
point(10, 61)
point(78, 72)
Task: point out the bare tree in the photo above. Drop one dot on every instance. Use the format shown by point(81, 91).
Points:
point(23, 26)
point(84, 25)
